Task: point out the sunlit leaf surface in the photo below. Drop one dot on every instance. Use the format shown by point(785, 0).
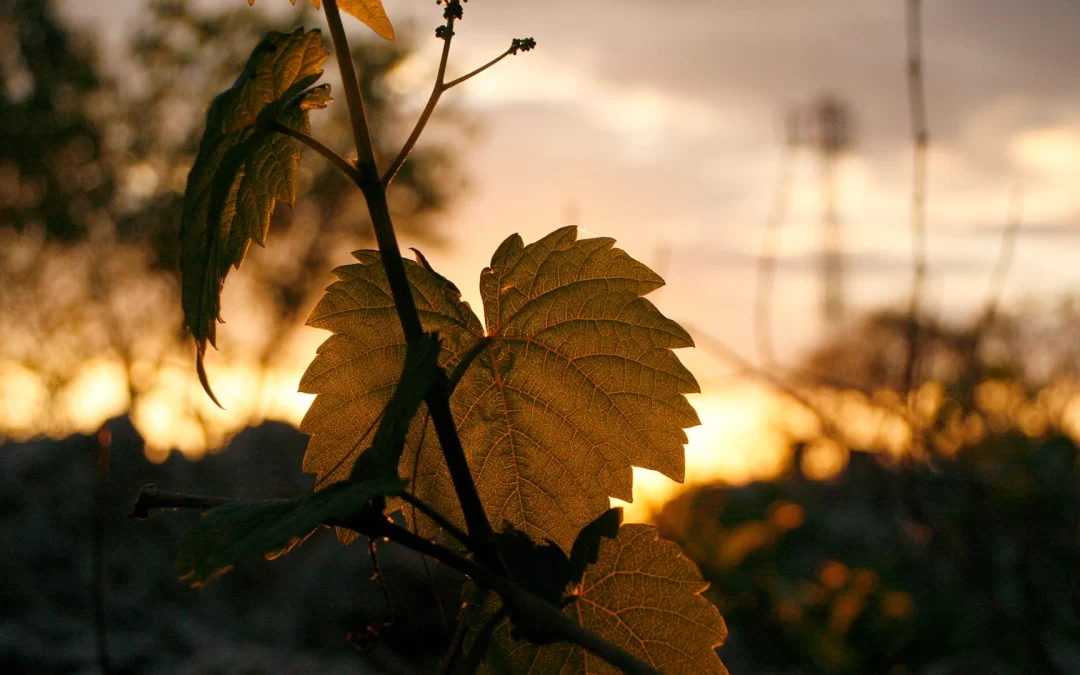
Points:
point(243, 531)
point(641, 594)
point(579, 383)
point(371, 12)
point(243, 168)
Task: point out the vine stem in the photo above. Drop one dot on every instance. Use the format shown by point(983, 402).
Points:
point(378, 526)
point(437, 398)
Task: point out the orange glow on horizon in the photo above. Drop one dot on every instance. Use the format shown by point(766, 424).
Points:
point(745, 432)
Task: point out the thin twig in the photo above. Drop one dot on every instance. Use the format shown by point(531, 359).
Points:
point(440, 87)
point(921, 140)
point(770, 243)
point(1005, 258)
point(718, 346)
point(474, 73)
point(102, 442)
point(382, 581)
point(429, 108)
point(377, 526)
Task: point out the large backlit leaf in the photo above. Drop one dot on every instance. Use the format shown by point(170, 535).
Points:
point(579, 383)
point(243, 167)
point(641, 594)
point(245, 530)
point(371, 12)
point(381, 460)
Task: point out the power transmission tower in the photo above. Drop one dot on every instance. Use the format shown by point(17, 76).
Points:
point(826, 125)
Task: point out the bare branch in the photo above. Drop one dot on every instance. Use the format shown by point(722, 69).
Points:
point(770, 244)
point(1005, 258)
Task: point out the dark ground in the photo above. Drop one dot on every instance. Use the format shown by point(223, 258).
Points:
point(289, 615)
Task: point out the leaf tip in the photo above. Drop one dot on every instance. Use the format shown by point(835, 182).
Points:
point(200, 367)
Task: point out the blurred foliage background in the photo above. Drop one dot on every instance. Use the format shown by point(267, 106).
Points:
point(955, 551)
point(93, 163)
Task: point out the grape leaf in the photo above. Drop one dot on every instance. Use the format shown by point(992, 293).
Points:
point(641, 594)
point(244, 530)
point(578, 384)
point(370, 12)
point(243, 167)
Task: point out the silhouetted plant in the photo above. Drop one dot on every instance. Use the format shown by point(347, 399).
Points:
point(532, 420)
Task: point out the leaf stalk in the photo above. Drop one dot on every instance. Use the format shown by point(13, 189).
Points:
point(347, 167)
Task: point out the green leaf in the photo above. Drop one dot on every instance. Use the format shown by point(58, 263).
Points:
point(578, 384)
point(242, 169)
point(242, 531)
point(642, 594)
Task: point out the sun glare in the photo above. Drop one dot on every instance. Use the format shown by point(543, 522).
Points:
point(97, 393)
point(733, 444)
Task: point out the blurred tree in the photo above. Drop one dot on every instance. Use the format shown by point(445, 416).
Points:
point(53, 172)
point(99, 285)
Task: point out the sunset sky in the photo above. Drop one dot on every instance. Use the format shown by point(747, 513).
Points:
point(661, 124)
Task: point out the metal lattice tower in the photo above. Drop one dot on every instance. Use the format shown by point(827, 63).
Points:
point(826, 126)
